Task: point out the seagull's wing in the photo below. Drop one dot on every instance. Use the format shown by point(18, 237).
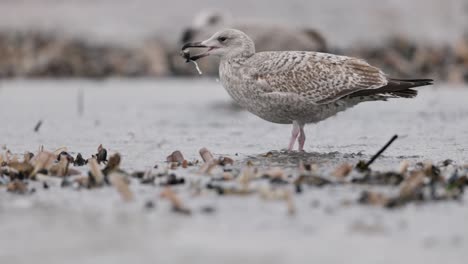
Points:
point(317, 77)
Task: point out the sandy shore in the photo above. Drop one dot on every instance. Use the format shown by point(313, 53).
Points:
point(145, 120)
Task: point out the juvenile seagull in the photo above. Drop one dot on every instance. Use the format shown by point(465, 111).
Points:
point(297, 87)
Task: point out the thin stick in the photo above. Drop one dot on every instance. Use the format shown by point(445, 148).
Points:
point(38, 126)
point(380, 151)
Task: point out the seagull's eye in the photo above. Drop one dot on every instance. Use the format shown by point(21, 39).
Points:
point(222, 39)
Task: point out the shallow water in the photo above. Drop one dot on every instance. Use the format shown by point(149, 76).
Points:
point(145, 120)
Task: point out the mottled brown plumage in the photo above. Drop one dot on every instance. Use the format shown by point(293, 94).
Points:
point(298, 87)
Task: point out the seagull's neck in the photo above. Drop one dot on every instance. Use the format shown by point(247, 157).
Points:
point(237, 59)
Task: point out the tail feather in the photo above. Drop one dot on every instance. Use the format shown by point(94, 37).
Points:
point(397, 88)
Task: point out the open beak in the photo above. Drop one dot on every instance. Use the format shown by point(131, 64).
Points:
point(186, 54)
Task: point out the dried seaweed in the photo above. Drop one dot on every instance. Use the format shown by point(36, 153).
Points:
point(177, 205)
point(17, 186)
point(101, 155)
point(419, 183)
point(79, 160)
point(96, 174)
point(118, 180)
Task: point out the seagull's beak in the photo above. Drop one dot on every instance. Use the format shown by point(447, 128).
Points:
point(202, 44)
point(193, 45)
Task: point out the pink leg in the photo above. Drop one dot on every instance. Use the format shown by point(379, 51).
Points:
point(295, 132)
point(302, 138)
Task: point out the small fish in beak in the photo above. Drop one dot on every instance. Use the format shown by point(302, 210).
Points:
point(186, 53)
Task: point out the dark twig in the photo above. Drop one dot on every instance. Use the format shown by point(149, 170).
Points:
point(366, 165)
point(38, 126)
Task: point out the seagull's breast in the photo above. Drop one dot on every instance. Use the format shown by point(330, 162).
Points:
point(237, 83)
point(251, 93)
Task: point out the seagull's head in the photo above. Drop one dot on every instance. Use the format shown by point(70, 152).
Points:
point(227, 43)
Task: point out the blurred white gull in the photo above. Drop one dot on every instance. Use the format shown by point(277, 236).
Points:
point(297, 87)
point(267, 37)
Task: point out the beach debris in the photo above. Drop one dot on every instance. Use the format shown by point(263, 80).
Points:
point(422, 182)
point(207, 167)
point(95, 172)
point(378, 178)
point(59, 150)
point(363, 166)
point(411, 186)
point(113, 164)
point(20, 170)
point(209, 161)
point(101, 155)
point(230, 190)
point(342, 171)
point(176, 157)
point(246, 176)
point(17, 186)
point(50, 180)
point(404, 165)
point(27, 157)
point(224, 161)
point(38, 126)
point(177, 205)
point(118, 180)
point(270, 193)
point(148, 177)
point(42, 162)
point(78, 183)
point(311, 180)
point(172, 179)
point(275, 173)
point(66, 155)
point(61, 168)
point(373, 198)
point(206, 155)
point(79, 160)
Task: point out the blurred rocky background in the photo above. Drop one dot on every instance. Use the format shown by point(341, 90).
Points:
point(104, 38)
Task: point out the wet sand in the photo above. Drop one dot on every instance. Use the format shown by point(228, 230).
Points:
point(145, 120)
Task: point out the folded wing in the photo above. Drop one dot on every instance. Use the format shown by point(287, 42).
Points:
point(318, 77)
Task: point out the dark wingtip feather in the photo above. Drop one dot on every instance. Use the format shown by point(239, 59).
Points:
point(407, 93)
point(396, 87)
point(413, 82)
